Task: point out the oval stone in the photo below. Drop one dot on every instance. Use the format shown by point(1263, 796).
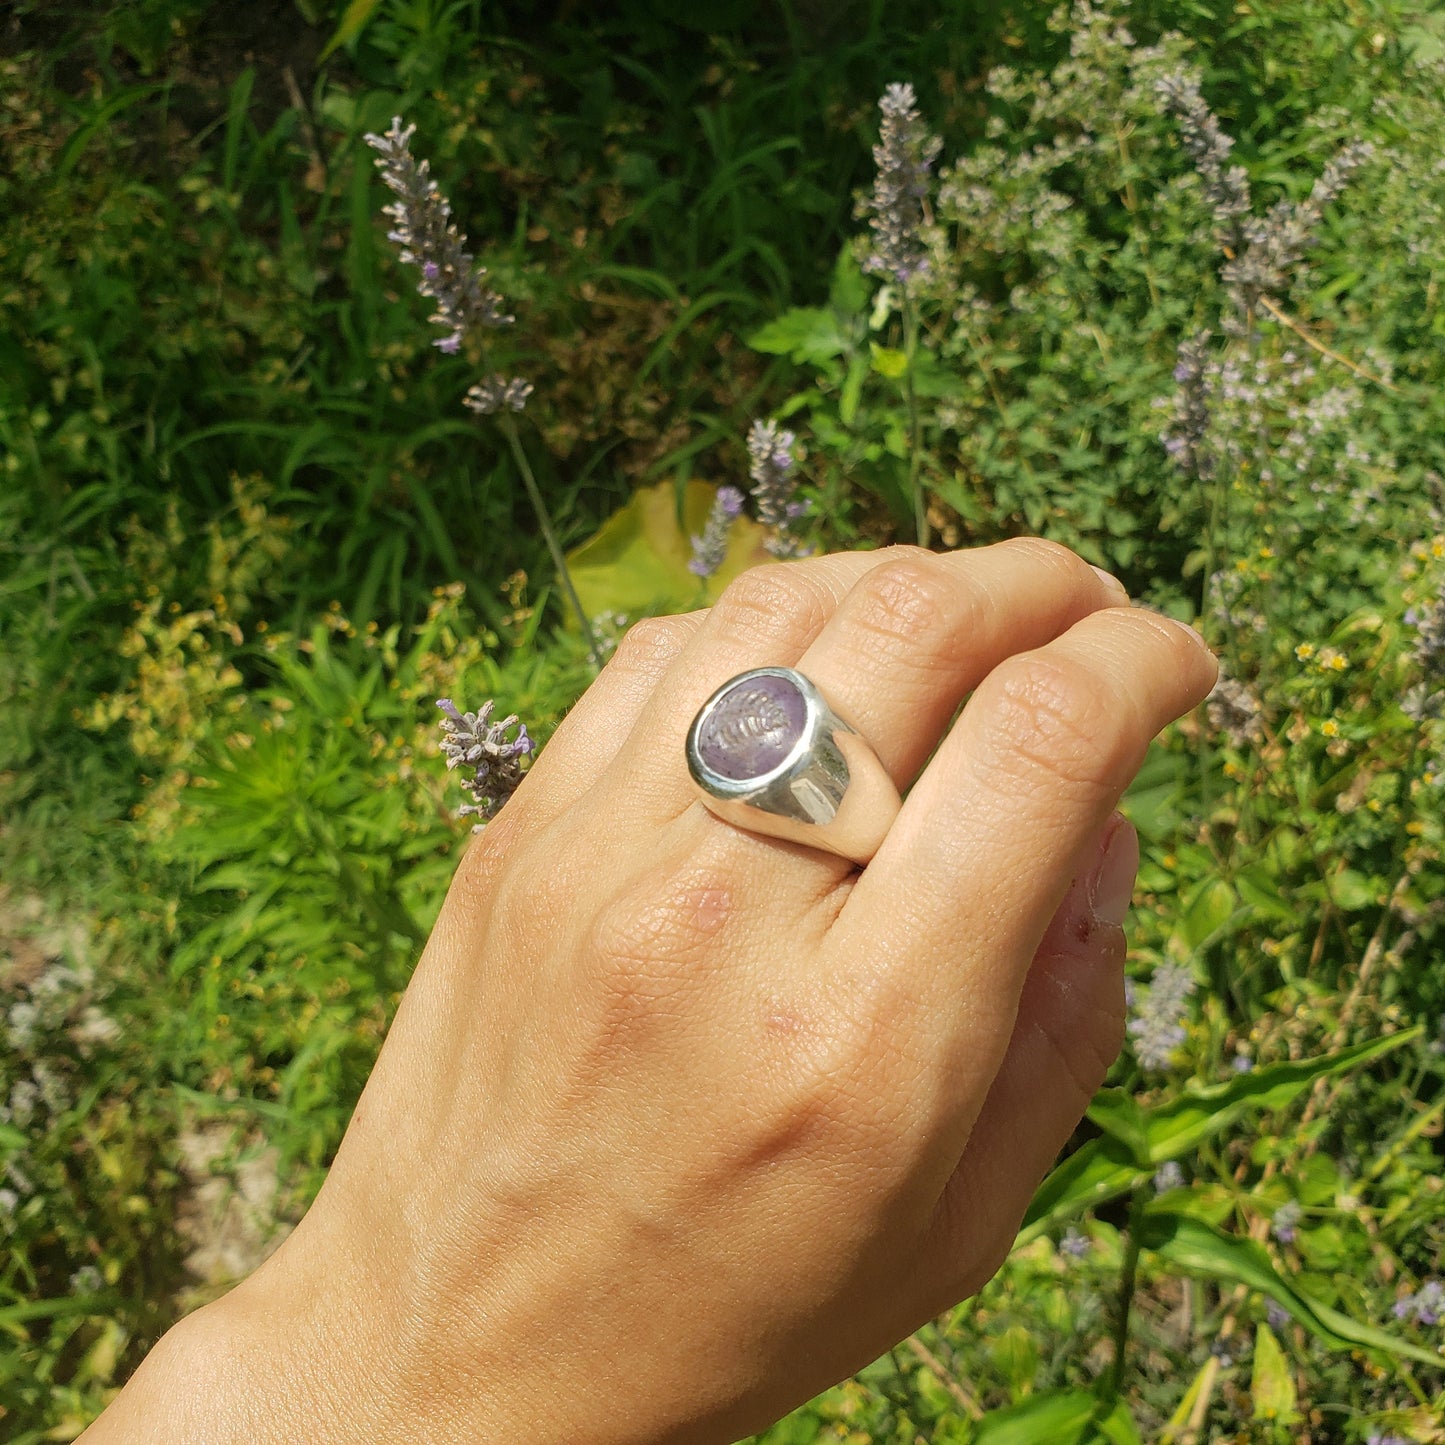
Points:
point(752, 728)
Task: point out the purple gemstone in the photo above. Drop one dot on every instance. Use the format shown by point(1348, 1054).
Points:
point(752, 728)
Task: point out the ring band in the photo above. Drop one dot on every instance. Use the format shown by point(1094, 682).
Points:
point(769, 754)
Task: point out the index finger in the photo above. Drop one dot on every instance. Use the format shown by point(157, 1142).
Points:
point(952, 909)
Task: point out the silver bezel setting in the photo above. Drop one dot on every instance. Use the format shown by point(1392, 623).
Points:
point(809, 784)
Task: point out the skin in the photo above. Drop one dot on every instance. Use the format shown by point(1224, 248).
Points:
point(678, 1125)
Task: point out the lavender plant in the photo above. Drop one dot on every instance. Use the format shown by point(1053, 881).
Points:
point(709, 550)
point(467, 307)
point(897, 212)
point(493, 760)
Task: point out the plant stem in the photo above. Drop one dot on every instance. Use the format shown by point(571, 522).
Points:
point(509, 430)
point(915, 423)
point(1126, 1293)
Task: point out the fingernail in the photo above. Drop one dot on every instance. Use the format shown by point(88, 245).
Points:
point(1113, 887)
point(1112, 581)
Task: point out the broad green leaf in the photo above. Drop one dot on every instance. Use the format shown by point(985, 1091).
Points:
point(806, 334)
point(1196, 1248)
point(1058, 1418)
point(1099, 1171)
point(887, 361)
point(1105, 1168)
point(1118, 1114)
point(1272, 1384)
point(1180, 1125)
point(636, 563)
point(848, 291)
point(1016, 1357)
point(353, 22)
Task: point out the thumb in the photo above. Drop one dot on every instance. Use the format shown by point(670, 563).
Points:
point(1068, 1030)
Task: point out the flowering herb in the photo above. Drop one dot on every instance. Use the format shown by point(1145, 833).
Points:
point(472, 741)
point(422, 228)
point(1261, 251)
point(771, 463)
point(1285, 1221)
point(1157, 1027)
point(895, 209)
point(1425, 1306)
point(709, 550)
point(1169, 1175)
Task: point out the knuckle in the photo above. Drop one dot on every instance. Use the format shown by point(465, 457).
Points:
point(646, 946)
point(1050, 714)
point(1045, 551)
point(531, 902)
point(653, 644)
point(906, 600)
point(766, 602)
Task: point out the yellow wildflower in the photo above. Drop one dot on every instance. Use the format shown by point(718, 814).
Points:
point(1305, 651)
point(1330, 728)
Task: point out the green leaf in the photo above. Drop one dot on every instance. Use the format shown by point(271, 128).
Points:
point(853, 389)
point(1197, 1248)
point(1105, 1168)
point(1180, 1125)
point(1352, 891)
point(353, 22)
point(636, 563)
point(1058, 1418)
point(1257, 889)
point(1272, 1384)
point(1118, 1114)
point(1205, 916)
point(806, 334)
point(1016, 1357)
point(1118, 1426)
point(848, 291)
point(887, 361)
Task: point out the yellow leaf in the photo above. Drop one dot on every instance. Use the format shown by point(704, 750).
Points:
point(636, 563)
point(1272, 1385)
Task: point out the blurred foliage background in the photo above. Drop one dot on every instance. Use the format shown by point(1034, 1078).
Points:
point(248, 535)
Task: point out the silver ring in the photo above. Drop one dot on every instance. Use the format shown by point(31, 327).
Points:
point(769, 754)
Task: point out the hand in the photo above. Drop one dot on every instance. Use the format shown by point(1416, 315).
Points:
point(678, 1125)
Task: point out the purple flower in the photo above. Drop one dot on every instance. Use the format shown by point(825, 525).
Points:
point(1074, 1245)
point(471, 740)
point(904, 157)
point(1242, 1064)
point(1277, 1315)
point(1158, 1025)
point(770, 455)
point(1425, 1306)
point(1168, 1176)
point(423, 229)
point(1284, 1221)
point(709, 550)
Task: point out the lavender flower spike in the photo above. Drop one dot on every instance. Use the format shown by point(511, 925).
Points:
point(422, 227)
point(709, 550)
point(471, 740)
point(904, 157)
point(1158, 1025)
point(770, 453)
